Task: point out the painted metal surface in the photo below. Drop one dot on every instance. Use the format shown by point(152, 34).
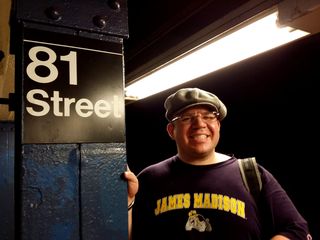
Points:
point(102, 17)
point(70, 189)
point(73, 191)
point(7, 181)
point(50, 192)
point(103, 192)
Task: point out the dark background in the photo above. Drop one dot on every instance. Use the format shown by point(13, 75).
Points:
point(272, 102)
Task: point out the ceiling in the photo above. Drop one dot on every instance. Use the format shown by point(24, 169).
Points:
point(157, 26)
point(161, 30)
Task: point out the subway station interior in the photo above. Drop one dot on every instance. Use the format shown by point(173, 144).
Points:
point(60, 165)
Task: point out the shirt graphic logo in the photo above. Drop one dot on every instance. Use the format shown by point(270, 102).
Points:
point(198, 222)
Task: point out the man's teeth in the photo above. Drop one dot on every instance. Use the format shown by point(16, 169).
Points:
point(202, 136)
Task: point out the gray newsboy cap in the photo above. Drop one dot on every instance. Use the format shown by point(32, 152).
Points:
point(188, 97)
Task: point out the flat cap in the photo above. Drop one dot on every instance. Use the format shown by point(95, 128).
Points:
point(189, 97)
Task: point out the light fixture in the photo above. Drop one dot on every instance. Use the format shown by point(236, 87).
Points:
point(229, 48)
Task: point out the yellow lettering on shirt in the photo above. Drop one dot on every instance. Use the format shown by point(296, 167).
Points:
point(201, 201)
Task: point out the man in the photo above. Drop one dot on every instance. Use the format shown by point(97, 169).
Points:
point(199, 193)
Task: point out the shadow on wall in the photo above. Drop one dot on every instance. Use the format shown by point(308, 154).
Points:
point(271, 100)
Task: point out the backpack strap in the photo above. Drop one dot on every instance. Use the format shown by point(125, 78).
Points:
point(251, 176)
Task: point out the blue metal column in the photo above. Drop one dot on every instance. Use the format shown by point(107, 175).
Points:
point(50, 192)
point(70, 126)
point(7, 181)
point(104, 197)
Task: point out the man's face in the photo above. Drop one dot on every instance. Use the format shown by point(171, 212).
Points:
point(196, 132)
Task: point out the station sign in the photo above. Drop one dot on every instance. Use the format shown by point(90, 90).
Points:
point(72, 89)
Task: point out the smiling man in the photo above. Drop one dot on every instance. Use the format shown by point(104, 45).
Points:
point(199, 193)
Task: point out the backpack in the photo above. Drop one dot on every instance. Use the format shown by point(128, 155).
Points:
point(251, 176)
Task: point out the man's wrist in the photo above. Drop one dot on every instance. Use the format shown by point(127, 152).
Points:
point(131, 205)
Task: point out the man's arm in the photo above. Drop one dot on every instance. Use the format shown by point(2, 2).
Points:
point(133, 186)
point(130, 224)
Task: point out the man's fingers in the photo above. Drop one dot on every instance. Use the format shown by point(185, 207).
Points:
point(133, 183)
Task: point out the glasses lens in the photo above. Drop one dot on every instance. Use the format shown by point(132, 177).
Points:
point(207, 117)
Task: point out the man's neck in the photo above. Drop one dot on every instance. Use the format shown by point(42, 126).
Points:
point(205, 160)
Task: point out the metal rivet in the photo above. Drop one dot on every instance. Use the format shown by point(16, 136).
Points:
point(100, 21)
point(53, 13)
point(115, 5)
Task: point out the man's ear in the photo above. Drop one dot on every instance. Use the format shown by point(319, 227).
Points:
point(170, 130)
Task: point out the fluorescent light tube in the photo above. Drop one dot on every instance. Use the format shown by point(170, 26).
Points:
point(255, 38)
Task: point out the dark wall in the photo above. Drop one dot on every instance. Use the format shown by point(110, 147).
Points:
point(272, 102)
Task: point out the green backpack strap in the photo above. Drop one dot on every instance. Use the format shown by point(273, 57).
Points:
point(251, 176)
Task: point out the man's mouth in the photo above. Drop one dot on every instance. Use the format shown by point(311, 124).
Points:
point(199, 136)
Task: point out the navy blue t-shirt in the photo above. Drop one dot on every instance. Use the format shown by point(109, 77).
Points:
point(181, 201)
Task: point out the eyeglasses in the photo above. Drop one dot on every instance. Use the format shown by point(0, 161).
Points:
point(207, 117)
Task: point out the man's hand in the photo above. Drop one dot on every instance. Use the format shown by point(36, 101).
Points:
point(133, 184)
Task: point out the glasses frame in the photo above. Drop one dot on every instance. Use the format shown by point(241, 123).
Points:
point(194, 116)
